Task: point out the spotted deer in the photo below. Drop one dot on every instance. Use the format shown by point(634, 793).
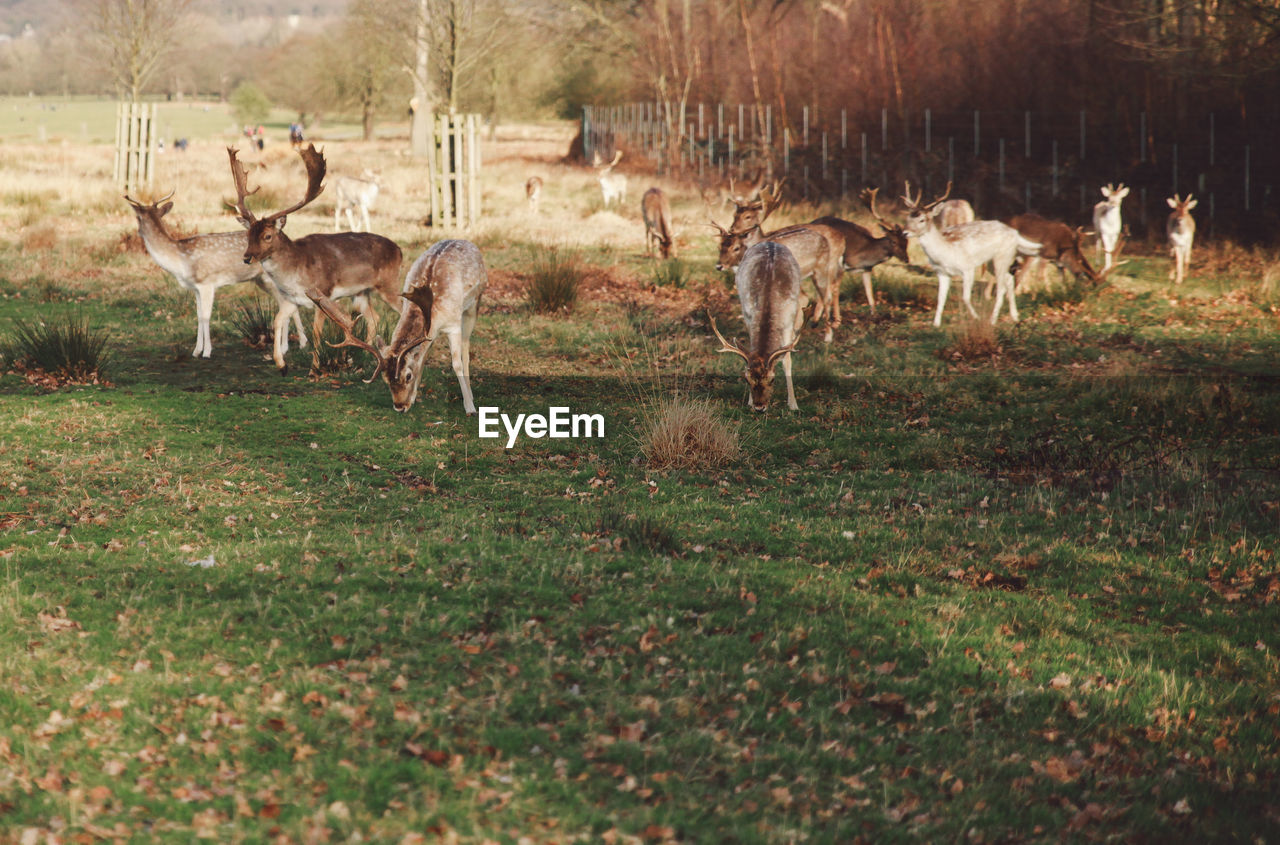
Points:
point(317, 269)
point(444, 286)
point(1107, 222)
point(1181, 231)
point(355, 195)
point(202, 264)
point(613, 186)
point(863, 250)
point(768, 282)
point(961, 250)
point(657, 223)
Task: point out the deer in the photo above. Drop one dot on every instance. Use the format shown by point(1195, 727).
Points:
point(1106, 221)
point(533, 192)
point(316, 269)
point(1181, 231)
point(811, 245)
point(863, 250)
point(202, 264)
point(355, 194)
point(953, 212)
point(613, 186)
point(657, 223)
point(961, 250)
point(444, 287)
point(768, 281)
point(751, 208)
point(1059, 243)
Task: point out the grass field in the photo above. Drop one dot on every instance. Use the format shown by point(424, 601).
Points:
point(988, 587)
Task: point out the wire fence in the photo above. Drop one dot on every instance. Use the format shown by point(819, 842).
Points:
point(1004, 162)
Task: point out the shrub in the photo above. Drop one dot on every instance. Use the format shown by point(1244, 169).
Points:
point(554, 280)
point(671, 273)
point(684, 433)
point(249, 104)
point(973, 340)
point(68, 348)
point(253, 320)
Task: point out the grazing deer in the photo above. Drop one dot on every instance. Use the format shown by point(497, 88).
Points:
point(444, 286)
point(810, 246)
point(202, 264)
point(613, 186)
point(1107, 223)
point(953, 213)
point(316, 269)
point(657, 223)
point(1181, 230)
point(863, 250)
point(355, 194)
point(768, 281)
point(532, 193)
point(1059, 243)
point(961, 250)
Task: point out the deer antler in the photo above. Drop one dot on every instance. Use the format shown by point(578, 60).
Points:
point(771, 198)
point(868, 196)
point(423, 298)
point(241, 180)
point(778, 353)
point(724, 233)
point(1100, 278)
point(726, 346)
point(333, 312)
point(315, 163)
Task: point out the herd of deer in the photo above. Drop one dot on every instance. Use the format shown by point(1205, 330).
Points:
point(440, 294)
point(442, 290)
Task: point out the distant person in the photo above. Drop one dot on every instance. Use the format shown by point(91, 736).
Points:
point(180, 145)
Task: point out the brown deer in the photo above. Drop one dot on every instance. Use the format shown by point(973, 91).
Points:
point(533, 192)
point(657, 223)
point(1181, 231)
point(863, 250)
point(751, 209)
point(202, 264)
point(961, 250)
point(444, 285)
point(316, 269)
point(1059, 243)
point(768, 281)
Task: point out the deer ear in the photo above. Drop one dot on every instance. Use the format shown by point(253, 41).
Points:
point(1192, 204)
point(1122, 193)
point(279, 223)
point(1172, 204)
point(165, 209)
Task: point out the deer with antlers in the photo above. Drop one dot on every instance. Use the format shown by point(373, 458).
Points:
point(316, 269)
point(444, 287)
point(1107, 222)
point(657, 223)
point(863, 250)
point(768, 282)
point(961, 250)
point(1181, 231)
point(202, 264)
point(613, 186)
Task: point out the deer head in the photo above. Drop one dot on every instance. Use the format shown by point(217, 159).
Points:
point(760, 370)
point(751, 213)
point(1113, 195)
point(1181, 207)
point(733, 245)
point(919, 218)
point(159, 208)
point(263, 232)
point(895, 234)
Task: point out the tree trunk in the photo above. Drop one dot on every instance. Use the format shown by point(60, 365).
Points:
point(420, 121)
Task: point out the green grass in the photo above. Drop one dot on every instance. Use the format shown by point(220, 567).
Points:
point(1024, 595)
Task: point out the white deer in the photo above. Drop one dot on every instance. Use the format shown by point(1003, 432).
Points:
point(1107, 222)
point(613, 186)
point(1181, 229)
point(202, 264)
point(961, 250)
point(768, 281)
point(355, 195)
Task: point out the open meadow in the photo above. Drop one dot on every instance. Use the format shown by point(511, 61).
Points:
point(986, 586)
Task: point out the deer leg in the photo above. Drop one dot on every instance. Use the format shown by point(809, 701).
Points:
point(302, 334)
point(837, 277)
point(337, 215)
point(280, 331)
point(460, 369)
point(866, 286)
point(365, 307)
point(364, 214)
point(944, 285)
point(468, 325)
point(966, 290)
point(791, 393)
point(204, 313)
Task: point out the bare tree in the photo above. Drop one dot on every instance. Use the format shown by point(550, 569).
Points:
point(137, 36)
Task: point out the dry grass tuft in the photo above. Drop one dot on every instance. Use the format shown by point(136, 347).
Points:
point(974, 340)
point(41, 237)
point(554, 280)
point(684, 433)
